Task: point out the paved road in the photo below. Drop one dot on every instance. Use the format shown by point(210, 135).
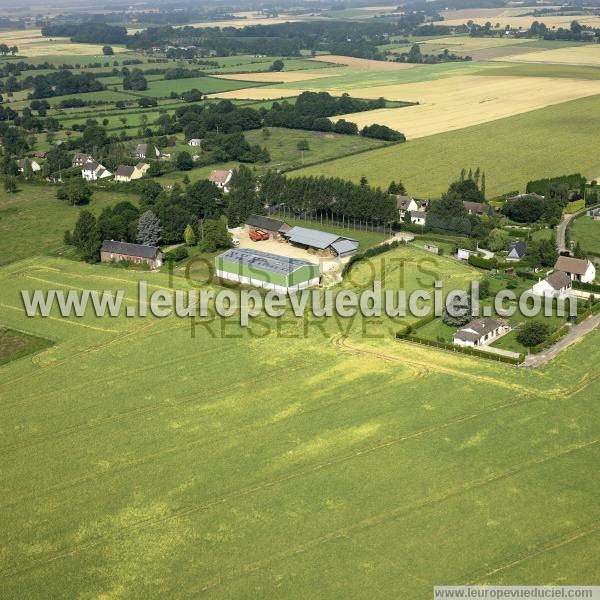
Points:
point(561, 229)
point(533, 361)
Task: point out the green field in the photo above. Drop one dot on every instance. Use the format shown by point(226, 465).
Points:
point(586, 231)
point(428, 165)
point(207, 85)
point(141, 462)
point(33, 221)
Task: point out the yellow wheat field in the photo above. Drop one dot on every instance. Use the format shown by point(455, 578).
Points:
point(284, 76)
point(458, 102)
point(364, 64)
point(30, 42)
point(588, 54)
point(520, 21)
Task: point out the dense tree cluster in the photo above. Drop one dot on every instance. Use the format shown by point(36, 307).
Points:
point(92, 33)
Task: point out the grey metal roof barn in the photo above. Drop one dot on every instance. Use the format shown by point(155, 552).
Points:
point(265, 260)
point(321, 240)
point(130, 249)
point(267, 223)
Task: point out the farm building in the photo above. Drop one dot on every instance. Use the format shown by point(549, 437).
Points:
point(479, 332)
point(325, 244)
point(112, 251)
point(274, 227)
point(265, 270)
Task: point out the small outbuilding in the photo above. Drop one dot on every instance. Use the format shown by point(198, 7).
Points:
point(265, 270)
point(274, 227)
point(112, 251)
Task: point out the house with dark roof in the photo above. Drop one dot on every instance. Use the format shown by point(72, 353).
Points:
point(556, 285)
point(126, 173)
point(321, 242)
point(93, 171)
point(112, 251)
point(418, 217)
point(80, 159)
point(478, 208)
point(405, 204)
point(147, 151)
point(480, 332)
point(576, 268)
point(516, 251)
point(274, 227)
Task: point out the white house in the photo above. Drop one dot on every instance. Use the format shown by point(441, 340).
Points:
point(195, 142)
point(464, 254)
point(221, 179)
point(576, 268)
point(35, 167)
point(80, 159)
point(418, 217)
point(480, 332)
point(556, 285)
point(147, 150)
point(405, 204)
point(92, 171)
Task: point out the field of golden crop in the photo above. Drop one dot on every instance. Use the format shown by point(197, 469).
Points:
point(519, 21)
point(31, 43)
point(588, 54)
point(284, 76)
point(364, 64)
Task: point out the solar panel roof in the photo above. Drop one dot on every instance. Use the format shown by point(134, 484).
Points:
point(264, 260)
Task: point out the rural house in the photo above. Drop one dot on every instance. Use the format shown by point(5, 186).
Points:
point(321, 242)
point(112, 251)
point(126, 173)
point(147, 151)
point(418, 217)
point(40, 154)
point(478, 208)
point(405, 204)
point(556, 285)
point(35, 167)
point(195, 142)
point(92, 171)
point(274, 227)
point(221, 179)
point(81, 159)
point(576, 268)
point(480, 332)
point(516, 251)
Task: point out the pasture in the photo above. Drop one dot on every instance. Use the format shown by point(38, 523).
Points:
point(157, 472)
point(512, 151)
point(207, 85)
point(586, 231)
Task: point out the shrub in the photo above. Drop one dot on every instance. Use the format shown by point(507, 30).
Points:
point(533, 333)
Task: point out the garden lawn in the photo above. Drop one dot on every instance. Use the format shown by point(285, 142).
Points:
point(586, 231)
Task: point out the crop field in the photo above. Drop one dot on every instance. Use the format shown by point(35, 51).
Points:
point(512, 151)
point(521, 21)
point(33, 221)
point(31, 43)
point(284, 76)
point(207, 85)
point(587, 54)
point(316, 483)
point(586, 231)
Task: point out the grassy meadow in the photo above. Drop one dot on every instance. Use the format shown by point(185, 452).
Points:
point(586, 231)
point(153, 473)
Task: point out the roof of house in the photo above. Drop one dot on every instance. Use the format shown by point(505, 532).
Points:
point(403, 202)
point(81, 156)
point(90, 165)
point(569, 264)
point(263, 222)
point(128, 249)
point(478, 208)
point(40, 154)
point(476, 329)
point(194, 141)
point(522, 196)
point(141, 166)
point(218, 176)
point(418, 214)
point(124, 171)
point(315, 238)
point(264, 260)
point(519, 247)
point(141, 149)
point(559, 280)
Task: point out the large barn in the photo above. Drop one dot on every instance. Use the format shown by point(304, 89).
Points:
point(274, 227)
point(321, 242)
point(263, 269)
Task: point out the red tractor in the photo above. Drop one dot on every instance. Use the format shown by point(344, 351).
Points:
point(257, 235)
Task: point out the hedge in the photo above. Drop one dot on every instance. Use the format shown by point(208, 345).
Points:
point(462, 349)
point(550, 340)
point(595, 308)
point(586, 287)
point(375, 251)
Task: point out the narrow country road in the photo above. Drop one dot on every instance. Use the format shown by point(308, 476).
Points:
point(533, 361)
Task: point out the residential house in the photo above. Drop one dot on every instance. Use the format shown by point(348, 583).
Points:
point(221, 179)
point(480, 332)
point(35, 167)
point(93, 171)
point(112, 251)
point(516, 251)
point(556, 285)
point(594, 213)
point(464, 254)
point(80, 159)
point(126, 173)
point(578, 269)
point(418, 217)
point(478, 208)
point(524, 196)
point(147, 151)
point(274, 227)
point(195, 142)
point(40, 154)
point(405, 204)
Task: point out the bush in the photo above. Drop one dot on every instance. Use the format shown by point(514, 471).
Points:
point(533, 334)
point(177, 255)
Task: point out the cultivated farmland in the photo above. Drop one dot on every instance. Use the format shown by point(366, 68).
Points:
point(303, 486)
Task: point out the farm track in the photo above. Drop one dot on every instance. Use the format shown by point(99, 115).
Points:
point(194, 508)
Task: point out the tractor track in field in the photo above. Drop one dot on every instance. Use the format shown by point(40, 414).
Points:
point(243, 492)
